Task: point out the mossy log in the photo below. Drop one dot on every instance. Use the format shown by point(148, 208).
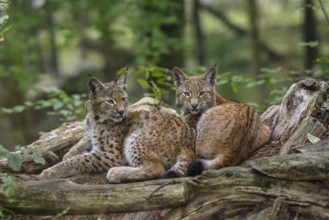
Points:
point(224, 193)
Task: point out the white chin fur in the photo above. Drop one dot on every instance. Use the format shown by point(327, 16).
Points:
point(194, 112)
point(117, 119)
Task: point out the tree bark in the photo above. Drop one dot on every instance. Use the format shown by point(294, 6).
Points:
point(223, 193)
point(303, 110)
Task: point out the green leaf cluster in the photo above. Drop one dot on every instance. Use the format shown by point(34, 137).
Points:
point(15, 158)
point(66, 107)
point(9, 185)
point(157, 81)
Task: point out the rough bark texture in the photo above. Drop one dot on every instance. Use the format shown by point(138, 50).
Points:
point(229, 192)
point(303, 110)
point(292, 186)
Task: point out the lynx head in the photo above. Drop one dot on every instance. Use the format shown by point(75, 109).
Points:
point(108, 100)
point(195, 94)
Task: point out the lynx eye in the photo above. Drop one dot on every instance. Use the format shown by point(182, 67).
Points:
point(187, 94)
point(202, 93)
point(124, 99)
point(110, 101)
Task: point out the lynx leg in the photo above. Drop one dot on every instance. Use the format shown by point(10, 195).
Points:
point(147, 171)
point(83, 163)
point(78, 148)
point(180, 167)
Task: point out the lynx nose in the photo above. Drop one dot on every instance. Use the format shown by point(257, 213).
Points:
point(194, 105)
point(121, 112)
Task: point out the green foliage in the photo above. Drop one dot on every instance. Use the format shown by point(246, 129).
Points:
point(17, 65)
point(9, 185)
point(155, 80)
point(15, 158)
point(9, 189)
point(66, 107)
point(147, 20)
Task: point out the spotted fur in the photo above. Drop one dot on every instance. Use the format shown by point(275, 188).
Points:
point(227, 132)
point(130, 145)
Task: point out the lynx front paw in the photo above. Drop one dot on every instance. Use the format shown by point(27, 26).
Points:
point(48, 174)
point(115, 175)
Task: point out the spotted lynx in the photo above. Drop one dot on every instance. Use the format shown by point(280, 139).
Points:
point(130, 145)
point(227, 132)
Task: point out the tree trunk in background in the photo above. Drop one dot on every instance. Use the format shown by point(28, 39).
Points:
point(310, 34)
point(241, 32)
point(175, 55)
point(254, 36)
point(53, 57)
point(198, 34)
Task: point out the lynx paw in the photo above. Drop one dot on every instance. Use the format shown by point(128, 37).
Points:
point(195, 168)
point(170, 174)
point(115, 175)
point(48, 174)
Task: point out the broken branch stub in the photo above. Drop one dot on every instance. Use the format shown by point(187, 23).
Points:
point(304, 101)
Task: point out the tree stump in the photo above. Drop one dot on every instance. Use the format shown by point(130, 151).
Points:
point(304, 109)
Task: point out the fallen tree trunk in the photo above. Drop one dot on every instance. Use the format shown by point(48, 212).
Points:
point(228, 192)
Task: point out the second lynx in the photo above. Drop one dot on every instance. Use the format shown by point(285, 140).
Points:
point(227, 132)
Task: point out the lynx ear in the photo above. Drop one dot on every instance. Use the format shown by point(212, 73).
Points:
point(210, 76)
point(179, 76)
point(94, 86)
point(122, 79)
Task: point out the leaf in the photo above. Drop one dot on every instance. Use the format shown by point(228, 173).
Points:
point(234, 86)
point(3, 18)
point(7, 110)
point(19, 108)
point(9, 186)
point(14, 161)
point(38, 159)
point(143, 83)
point(3, 152)
point(309, 44)
point(52, 154)
point(313, 139)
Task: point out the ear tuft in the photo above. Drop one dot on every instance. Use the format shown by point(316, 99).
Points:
point(122, 79)
point(94, 86)
point(210, 76)
point(178, 76)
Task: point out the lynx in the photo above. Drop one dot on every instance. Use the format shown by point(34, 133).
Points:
point(227, 132)
point(130, 145)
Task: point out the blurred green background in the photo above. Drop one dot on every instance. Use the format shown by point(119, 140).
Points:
point(48, 48)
